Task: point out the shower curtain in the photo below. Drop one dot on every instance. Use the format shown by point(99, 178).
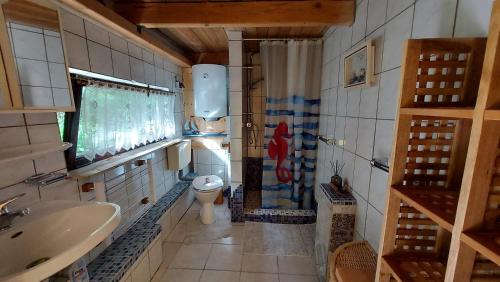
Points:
point(292, 76)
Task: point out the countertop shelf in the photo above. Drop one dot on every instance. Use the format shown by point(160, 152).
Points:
point(106, 164)
point(31, 151)
point(486, 243)
point(463, 113)
point(438, 204)
point(415, 267)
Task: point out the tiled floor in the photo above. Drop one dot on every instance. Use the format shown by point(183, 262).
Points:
point(236, 252)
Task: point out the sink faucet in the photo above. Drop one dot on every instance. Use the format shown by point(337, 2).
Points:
point(6, 216)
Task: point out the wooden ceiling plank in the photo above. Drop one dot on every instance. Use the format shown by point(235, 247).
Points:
point(238, 14)
point(94, 10)
point(187, 37)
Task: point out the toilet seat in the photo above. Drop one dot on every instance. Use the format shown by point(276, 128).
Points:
point(206, 189)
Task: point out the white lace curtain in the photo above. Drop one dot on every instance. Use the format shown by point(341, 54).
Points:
point(112, 119)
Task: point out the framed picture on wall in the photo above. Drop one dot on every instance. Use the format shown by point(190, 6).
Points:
point(358, 66)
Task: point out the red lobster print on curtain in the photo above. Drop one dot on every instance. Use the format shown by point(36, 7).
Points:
point(278, 150)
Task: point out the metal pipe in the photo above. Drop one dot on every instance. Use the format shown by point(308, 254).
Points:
point(280, 39)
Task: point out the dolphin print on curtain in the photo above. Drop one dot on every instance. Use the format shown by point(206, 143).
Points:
point(292, 77)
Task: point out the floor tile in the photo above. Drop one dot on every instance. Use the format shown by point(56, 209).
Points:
point(169, 252)
point(178, 234)
point(260, 263)
point(219, 276)
point(277, 239)
point(179, 275)
point(258, 277)
point(192, 256)
point(296, 265)
point(225, 257)
point(297, 278)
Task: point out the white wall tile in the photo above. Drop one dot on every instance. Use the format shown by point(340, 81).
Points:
point(61, 190)
point(346, 38)
point(61, 97)
point(40, 118)
point(27, 200)
point(13, 136)
point(341, 101)
point(97, 33)
point(16, 172)
point(359, 26)
point(235, 53)
point(134, 50)
point(58, 75)
point(378, 189)
point(148, 57)
point(33, 73)
point(236, 150)
point(434, 18)
point(121, 65)
point(54, 49)
point(11, 120)
point(388, 94)
point(376, 14)
point(235, 103)
point(35, 96)
point(236, 171)
point(204, 156)
point(353, 98)
point(351, 134)
point(395, 7)
point(383, 139)
point(378, 37)
point(235, 79)
point(340, 128)
point(43, 133)
point(366, 134)
point(374, 221)
point(348, 170)
point(137, 70)
point(117, 43)
point(72, 23)
point(396, 32)
point(361, 207)
point(149, 70)
point(29, 45)
point(100, 58)
point(78, 55)
point(473, 18)
point(361, 181)
point(369, 100)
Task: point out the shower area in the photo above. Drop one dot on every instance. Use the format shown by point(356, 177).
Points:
point(280, 122)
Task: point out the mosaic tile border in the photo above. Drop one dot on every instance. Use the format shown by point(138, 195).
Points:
point(337, 198)
point(240, 214)
point(115, 260)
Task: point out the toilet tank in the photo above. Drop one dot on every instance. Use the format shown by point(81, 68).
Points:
point(179, 155)
point(210, 91)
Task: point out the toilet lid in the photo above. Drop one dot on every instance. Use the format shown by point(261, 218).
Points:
point(207, 183)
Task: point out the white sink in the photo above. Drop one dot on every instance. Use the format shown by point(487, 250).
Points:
point(53, 236)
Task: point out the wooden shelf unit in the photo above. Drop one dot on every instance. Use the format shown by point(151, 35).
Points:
point(439, 89)
point(459, 237)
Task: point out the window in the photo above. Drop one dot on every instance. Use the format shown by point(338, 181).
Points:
point(112, 118)
point(115, 119)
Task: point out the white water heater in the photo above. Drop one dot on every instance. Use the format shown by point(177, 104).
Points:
point(210, 91)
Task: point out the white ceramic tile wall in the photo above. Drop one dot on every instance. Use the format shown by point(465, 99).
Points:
point(365, 118)
point(235, 172)
point(92, 48)
point(212, 161)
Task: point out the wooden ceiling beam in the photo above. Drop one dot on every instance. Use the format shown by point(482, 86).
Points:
point(93, 10)
point(239, 14)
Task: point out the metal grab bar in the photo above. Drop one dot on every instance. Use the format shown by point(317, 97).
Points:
point(44, 179)
point(331, 141)
point(380, 164)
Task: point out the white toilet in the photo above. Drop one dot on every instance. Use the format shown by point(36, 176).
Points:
point(206, 189)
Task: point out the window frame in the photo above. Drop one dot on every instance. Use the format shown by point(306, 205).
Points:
point(72, 122)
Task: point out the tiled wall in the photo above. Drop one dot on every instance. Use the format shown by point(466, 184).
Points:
point(211, 161)
point(257, 106)
point(365, 117)
point(40, 63)
point(235, 105)
point(95, 49)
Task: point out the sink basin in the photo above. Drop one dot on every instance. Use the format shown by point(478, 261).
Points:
point(52, 237)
